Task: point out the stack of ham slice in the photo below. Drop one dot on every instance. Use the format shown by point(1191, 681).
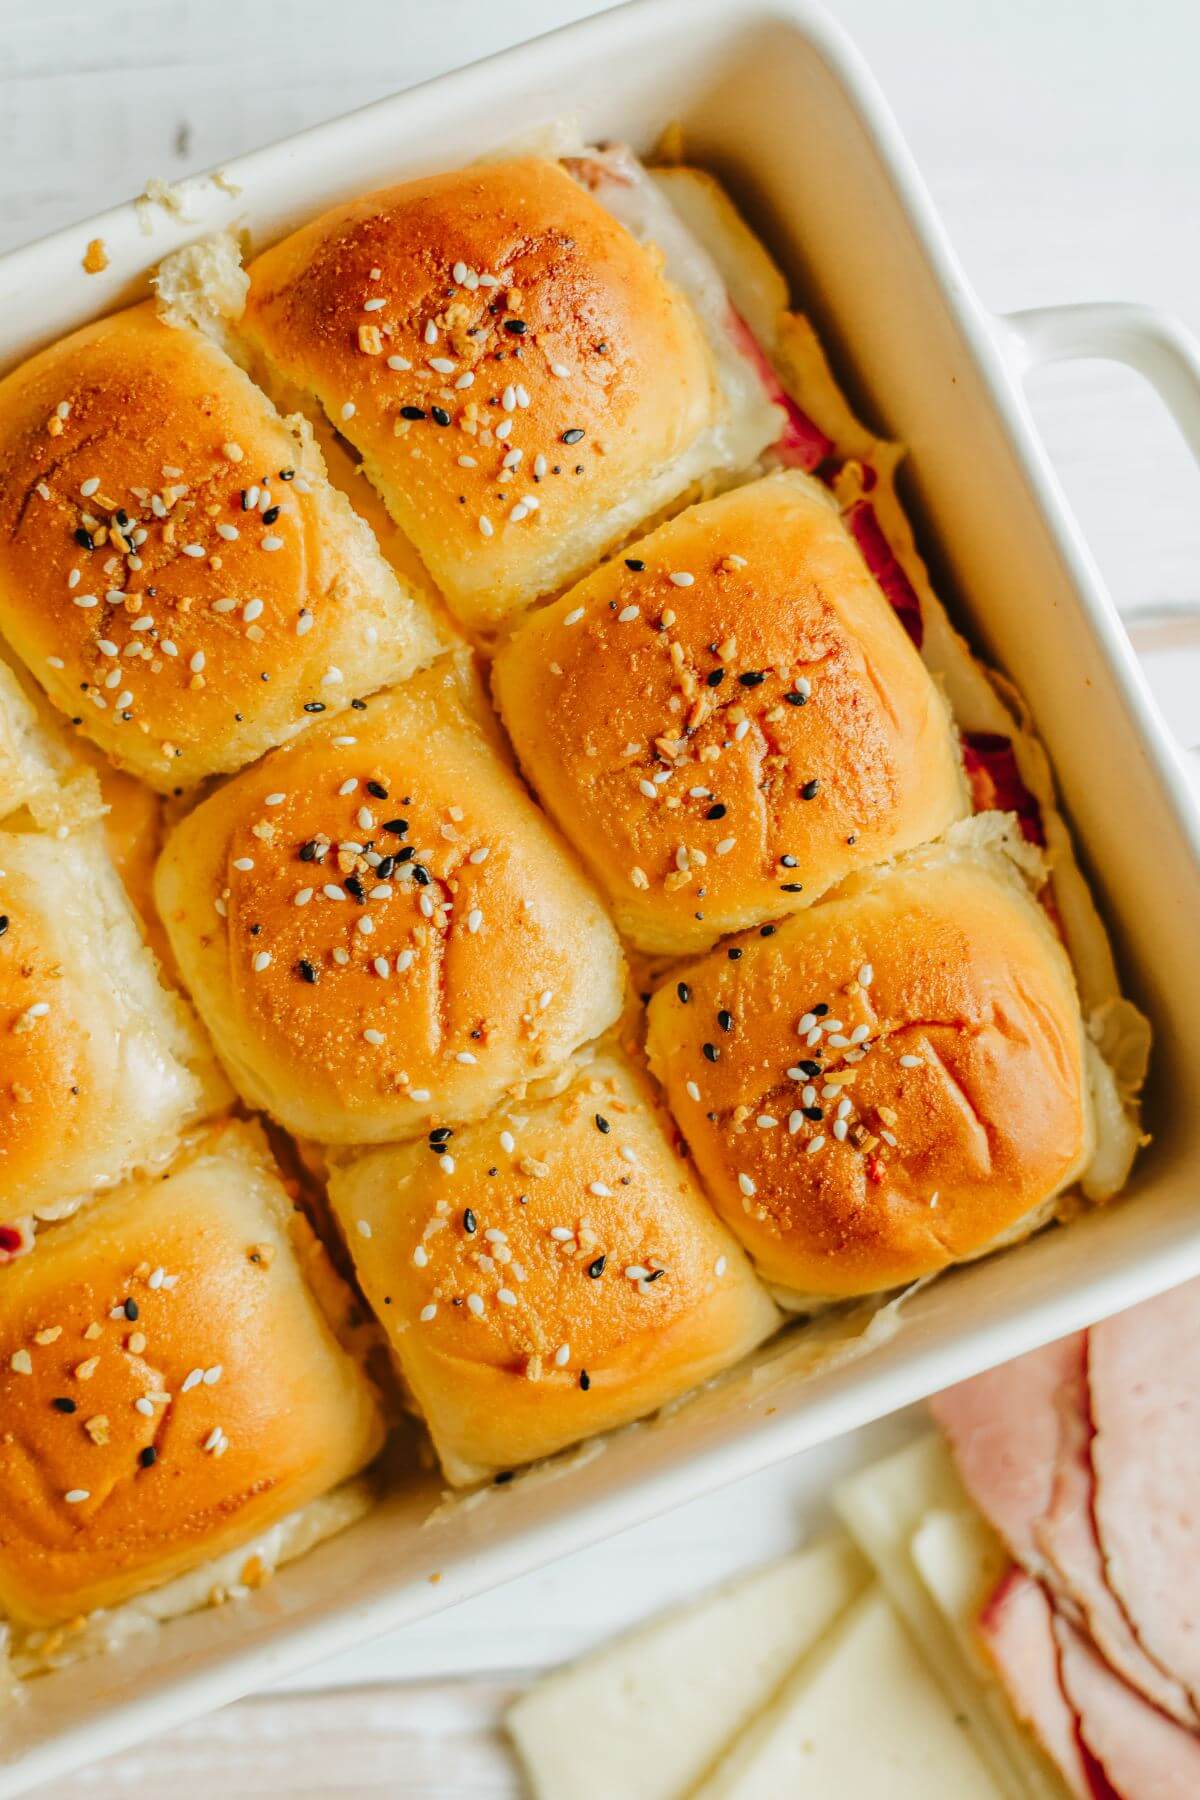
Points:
point(1085, 1459)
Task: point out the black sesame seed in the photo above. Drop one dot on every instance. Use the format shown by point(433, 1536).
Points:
point(503, 1478)
point(791, 887)
point(515, 326)
point(684, 992)
point(815, 1113)
point(148, 1457)
point(602, 1123)
point(715, 677)
point(306, 971)
point(420, 874)
point(83, 538)
point(3, 923)
point(574, 436)
point(411, 412)
point(287, 474)
point(596, 1269)
point(753, 678)
point(377, 789)
point(711, 1051)
point(809, 790)
point(635, 563)
point(766, 931)
point(131, 1309)
point(354, 886)
point(358, 706)
point(585, 1380)
point(308, 852)
point(397, 826)
point(853, 838)
point(270, 516)
point(794, 699)
point(734, 953)
point(470, 1222)
point(440, 415)
point(821, 1009)
point(405, 853)
point(725, 1020)
point(440, 1134)
point(716, 811)
point(63, 1405)
point(314, 706)
point(654, 1274)
point(384, 867)
point(809, 1066)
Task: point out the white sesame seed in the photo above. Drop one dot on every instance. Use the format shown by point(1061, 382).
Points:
point(193, 549)
point(213, 1375)
point(332, 891)
point(428, 1312)
point(813, 1037)
point(627, 614)
point(169, 647)
point(560, 369)
point(262, 961)
point(814, 1145)
point(226, 605)
point(648, 788)
point(911, 1062)
point(600, 1189)
point(866, 975)
point(806, 1023)
point(375, 304)
point(341, 957)
point(747, 1184)
point(474, 919)
point(349, 410)
point(373, 1037)
point(504, 429)
point(86, 600)
point(795, 1121)
point(197, 662)
point(574, 616)
point(681, 578)
point(192, 1380)
point(693, 1091)
point(76, 1496)
point(124, 700)
point(464, 1056)
point(520, 511)
point(365, 818)
point(420, 1256)
point(840, 1128)
point(562, 1356)
point(431, 333)
point(244, 863)
point(475, 1304)
point(363, 1227)
point(442, 365)
point(252, 610)
point(724, 846)
point(838, 1040)
point(459, 272)
point(398, 362)
point(89, 487)
point(766, 1122)
point(302, 896)
point(467, 462)
point(480, 855)
point(271, 543)
point(485, 525)
point(808, 1095)
point(343, 742)
point(276, 799)
point(365, 924)
point(635, 1272)
point(145, 1407)
point(508, 398)
point(888, 1138)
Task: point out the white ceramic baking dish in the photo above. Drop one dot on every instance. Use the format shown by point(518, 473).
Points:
point(775, 101)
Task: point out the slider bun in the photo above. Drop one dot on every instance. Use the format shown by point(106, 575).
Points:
point(297, 1412)
point(104, 1079)
point(600, 695)
point(472, 1002)
point(594, 302)
point(489, 1382)
point(155, 411)
point(994, 1118)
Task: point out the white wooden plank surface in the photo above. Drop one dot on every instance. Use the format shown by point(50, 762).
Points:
point(1061, 140)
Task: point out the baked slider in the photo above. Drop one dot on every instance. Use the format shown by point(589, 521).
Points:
point(729, 718)
point(170, 1382)
point(523, 382)
point(547, 1273)
point(175, 570)
point(890, 1082)
point(378, 926)
point(101, 1066)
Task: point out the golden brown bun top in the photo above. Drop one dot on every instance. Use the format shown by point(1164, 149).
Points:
point(936, 1000)
point(188, 1294)
point(576, 1274)
point(399, 930)
point(142, 440)
point(728, 718)
point(571, 329)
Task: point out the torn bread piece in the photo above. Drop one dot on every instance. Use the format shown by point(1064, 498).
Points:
point(648, 1716)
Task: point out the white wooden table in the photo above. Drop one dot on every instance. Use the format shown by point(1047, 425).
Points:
point(1061, 140)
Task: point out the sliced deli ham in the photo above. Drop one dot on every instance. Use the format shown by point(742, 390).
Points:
point(1144, 1377)
point(1066, 1536)
point(1003, 1431)
point(1144, 1755)
point(1016, 1628)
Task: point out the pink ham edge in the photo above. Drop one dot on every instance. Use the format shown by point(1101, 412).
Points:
point(1003, 1430)
point(1066, 1537)
point(802, 444)
point(1144, 1755)
point(1144, 1375)
point(991, 765)
point(1016, 1628)
point(863, 524)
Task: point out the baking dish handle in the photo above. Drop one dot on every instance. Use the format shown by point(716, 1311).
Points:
point(1153, 342)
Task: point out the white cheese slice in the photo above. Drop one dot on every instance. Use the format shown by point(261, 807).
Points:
point(861, 1715)
point(646, 1717)
point(938, 1559)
